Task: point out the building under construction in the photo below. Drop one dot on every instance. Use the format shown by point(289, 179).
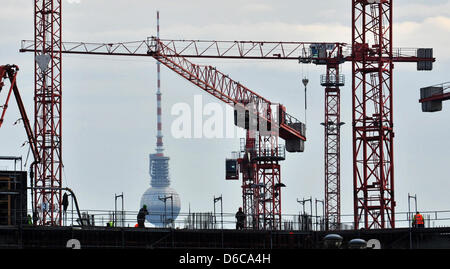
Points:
point(270, 132)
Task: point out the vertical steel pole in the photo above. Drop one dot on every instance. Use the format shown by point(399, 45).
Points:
point(221, 211)
point(123, 213)
point(249, 180)
point(409, 222)
point(171, 208)
point(409, 211)
point(214, 202)
point(415, 201)
point(317, 222)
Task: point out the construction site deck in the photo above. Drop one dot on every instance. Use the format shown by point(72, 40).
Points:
point(40, 237)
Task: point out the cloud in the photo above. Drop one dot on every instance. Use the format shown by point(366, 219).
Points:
point(257, 7)
point(433, 32)
point(268, 31)
point(419, 11)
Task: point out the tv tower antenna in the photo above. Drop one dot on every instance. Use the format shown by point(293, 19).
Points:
point(159, 136)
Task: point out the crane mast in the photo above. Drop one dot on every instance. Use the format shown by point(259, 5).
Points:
point(48, 111)
point(332, 81)
point(373, 58)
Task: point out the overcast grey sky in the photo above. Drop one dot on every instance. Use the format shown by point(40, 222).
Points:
point(109, 104)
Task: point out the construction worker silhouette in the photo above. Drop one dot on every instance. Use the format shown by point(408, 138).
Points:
point(141, 216)
point(418, 220)
point(240, 218)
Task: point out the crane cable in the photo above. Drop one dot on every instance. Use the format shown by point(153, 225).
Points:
point(305, 82)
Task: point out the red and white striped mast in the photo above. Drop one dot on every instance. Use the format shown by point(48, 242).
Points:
point(159, 136)
point(48, 112)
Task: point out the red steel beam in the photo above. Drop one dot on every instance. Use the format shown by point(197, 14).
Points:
point(222, 87)
point(193, 48)
point(258, 50)
point(438, 97)
point(10, 72)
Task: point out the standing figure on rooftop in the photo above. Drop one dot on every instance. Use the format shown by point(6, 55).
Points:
point(141, 216)
point(240, 218)
point(418, 221)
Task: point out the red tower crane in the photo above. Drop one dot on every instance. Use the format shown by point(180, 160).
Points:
point(263, 122)
point(47, 111)
point(10, 72)
point(254, 174)
point(373, 58)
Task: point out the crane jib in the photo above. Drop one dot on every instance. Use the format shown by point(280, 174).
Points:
point(231, 92)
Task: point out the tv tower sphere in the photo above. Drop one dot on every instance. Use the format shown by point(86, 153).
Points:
point(163, 202)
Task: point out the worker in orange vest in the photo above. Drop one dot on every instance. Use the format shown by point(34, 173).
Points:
point(418, 220)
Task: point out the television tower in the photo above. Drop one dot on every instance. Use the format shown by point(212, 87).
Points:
point(162, 211)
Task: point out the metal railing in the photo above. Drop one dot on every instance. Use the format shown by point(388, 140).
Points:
point(332, 80)
point(265, 151)
point(209, 220)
